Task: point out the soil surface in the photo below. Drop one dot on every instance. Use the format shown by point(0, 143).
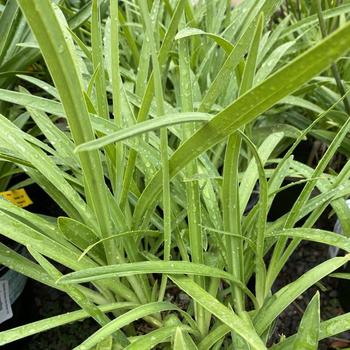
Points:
point(307, 256)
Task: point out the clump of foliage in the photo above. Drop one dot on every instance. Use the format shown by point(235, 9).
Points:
point(170, 113)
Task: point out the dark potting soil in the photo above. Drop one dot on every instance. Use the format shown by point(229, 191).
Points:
point(307, 256)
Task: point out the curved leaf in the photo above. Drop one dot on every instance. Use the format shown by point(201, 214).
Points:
point(124, 320)
point(144, 267)
point(225, 315)
point(152, 339)
point(285, 296)
point(188, 32)
point(183, 341)
point(308, 332)
point(316, 235)
point(52, 322)
point(143, 127)
point(328, 328)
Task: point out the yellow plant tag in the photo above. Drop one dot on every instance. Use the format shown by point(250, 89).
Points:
point(18, 197)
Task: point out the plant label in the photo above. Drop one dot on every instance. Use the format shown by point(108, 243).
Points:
point(18, 197)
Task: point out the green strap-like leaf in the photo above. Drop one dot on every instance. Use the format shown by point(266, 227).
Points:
point(52, 322)
point(124, 320)
point(40, 83)
point(316, 235)
point(328, 328)
point(81, 236)
point(227, 316)
point(7, 27)
point(308, 332)
point(213, 337)
point(285, 296)
point(152, 339)
point(183, 341)
point(72, 291)
point(144, 127)
point(144, 267)
point(312, 20)
point(188, 32)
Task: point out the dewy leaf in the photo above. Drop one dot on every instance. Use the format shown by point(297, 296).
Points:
point(40, 83)
point(227, 69)
point(182, 341)
point(152, 339)
point(227, 316)
point(29, 329)
point(16, 139)
point(81, 236)
point(270, 63)
point(123, 321)
point(7, 23)
point(328, 328)
point(248, 107)
point(213, 337)
point(251, 174)
point(175, 267)
point(308, 332)
point(143, 127)
point(75, 294)
point(187, 32)
point(285, 296)
point(57, 138)
point(316, 235)
point(27, 100)
point(312, 20)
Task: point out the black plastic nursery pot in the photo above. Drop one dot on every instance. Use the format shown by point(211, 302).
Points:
point(14, 297)
point(18, 300)
point(12, 285)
